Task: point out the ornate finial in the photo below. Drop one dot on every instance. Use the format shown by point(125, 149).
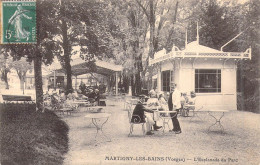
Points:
point(186, 39)
point(198, 37)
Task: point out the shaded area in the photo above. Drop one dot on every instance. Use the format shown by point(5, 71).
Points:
point(30, 137)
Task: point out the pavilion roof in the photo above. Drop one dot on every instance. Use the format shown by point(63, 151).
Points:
point(196, 47)
point(195, 50)
point(79, 67)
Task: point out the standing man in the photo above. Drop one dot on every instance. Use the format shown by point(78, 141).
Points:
point(174, 103)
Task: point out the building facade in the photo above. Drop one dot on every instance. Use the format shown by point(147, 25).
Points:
point(210, 73)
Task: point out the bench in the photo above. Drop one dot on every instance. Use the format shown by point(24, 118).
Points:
point(10, 98)
point(65, 109)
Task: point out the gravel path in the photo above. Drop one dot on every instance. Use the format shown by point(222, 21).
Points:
point(239, 144)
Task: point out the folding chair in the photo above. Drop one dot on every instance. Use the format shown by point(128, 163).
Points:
point(166, 118)
point(136, 120)
point(195, 112)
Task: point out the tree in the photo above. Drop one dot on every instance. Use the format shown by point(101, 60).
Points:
point(134, 40)
point(136, 30)
point(44, 50)
point(66, 45)
point(5, 66)
point(161, 17)
point(86, 24)
point(22, 67)
point(249, 71)
point(41, 52)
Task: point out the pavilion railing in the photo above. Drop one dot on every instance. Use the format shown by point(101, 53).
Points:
point(181, 54)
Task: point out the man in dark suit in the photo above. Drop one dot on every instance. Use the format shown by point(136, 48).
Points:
point(138, 116)
point(174, 104)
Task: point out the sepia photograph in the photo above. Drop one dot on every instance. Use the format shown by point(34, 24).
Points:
point(145, 82)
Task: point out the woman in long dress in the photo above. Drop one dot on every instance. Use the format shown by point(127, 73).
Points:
point(16, 20)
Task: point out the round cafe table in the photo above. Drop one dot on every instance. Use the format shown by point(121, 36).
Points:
point(99, 120)
point(213, 113)
point(96, 109)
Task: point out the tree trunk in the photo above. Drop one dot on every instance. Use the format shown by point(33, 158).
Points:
point(5, 79)
point(21, 83)
point(133, 85)
point(38, 81)
point(152, 27)
point(138, 83)
point(150, 78)
point(6, 85)
point(138, 68)
point(169, 41)
point(126, 83)
point(19, 73)
point(66, 49)
point(68, 72)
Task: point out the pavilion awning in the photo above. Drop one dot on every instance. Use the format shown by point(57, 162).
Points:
point(79, 67)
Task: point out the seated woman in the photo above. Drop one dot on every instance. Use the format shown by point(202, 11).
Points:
point(163, 103)
point(139, 116)
point(75, 94)
point(81, 96)
point(190, 101)
point(46, 98)
point(55, 101)
point(69, 102)
point(184, 101)
point(97, 96)
point(70, 96)
point(62, 96)
point(153, 103)
point(92, 96)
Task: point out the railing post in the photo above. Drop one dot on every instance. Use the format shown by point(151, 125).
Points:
point(250, 51)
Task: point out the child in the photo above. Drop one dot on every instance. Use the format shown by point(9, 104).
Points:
point(192, 98)
point(184, 101)
point(191, 101)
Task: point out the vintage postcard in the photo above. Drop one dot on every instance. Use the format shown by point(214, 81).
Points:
point(143, 82)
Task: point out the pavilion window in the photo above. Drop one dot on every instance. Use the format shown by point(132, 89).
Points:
point(166, 80)
point(207, 80)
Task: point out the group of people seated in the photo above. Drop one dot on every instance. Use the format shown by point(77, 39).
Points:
point(185, 100)
point(59, 99)
point(149, 114)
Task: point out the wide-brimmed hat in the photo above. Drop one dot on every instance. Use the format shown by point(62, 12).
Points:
point(173, 84)
point(152, 93)
point(142, 97)
point(160, 93)
point(79, 91)
point(192, 94)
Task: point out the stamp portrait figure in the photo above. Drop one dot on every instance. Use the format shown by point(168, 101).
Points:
point(17, 20)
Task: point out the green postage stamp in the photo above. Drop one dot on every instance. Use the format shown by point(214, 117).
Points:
point(18, 22)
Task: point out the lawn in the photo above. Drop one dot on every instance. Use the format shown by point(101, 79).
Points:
point(30, 137)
